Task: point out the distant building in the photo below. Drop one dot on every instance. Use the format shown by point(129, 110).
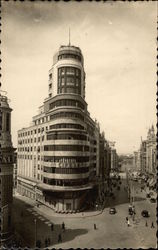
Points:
point(136, 161)
point(114, 158)
point(6, 171)
point(59, 154)
point(151, 151)
point(143, 152)
point(148, 153)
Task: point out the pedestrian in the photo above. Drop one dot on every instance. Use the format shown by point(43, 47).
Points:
point(52, 227)
point(95, 227)
point(146, 224)
point(128, 223)
point(152, 224)
point(126, 219)
point(59, 238)
point(46, 242)
point(63, 226)
point(38, 243)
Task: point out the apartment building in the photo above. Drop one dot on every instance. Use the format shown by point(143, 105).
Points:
point(57, 155)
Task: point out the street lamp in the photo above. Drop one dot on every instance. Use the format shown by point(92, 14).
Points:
point(35, 221)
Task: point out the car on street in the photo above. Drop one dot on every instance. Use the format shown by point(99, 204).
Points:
point(112, 210)
point(145, 213)
point(153, 200)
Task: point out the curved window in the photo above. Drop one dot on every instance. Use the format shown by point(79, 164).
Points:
point(61, 182)
point(66, 148)
point(66, 102)
point(66, 56)
point(69, 80)
point(66, 170)
point(67, 159)
point(67, 115)
point(66, 125)
point(58, 136)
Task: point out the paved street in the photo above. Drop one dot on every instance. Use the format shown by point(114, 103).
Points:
point(112, 230)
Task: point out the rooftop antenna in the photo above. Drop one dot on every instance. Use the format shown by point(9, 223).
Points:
point(69, 36)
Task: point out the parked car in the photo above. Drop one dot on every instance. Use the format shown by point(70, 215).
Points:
point(145, 213)
point(153, 200)
point(112, 210)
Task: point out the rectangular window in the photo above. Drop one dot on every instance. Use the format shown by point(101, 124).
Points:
point(8, 122)
point(50, 76)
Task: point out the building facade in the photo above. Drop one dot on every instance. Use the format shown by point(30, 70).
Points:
point(151, 151)
point(6, 171)
point(137, 160)
point(143, 156)
point(148, 153)
point(58, 154)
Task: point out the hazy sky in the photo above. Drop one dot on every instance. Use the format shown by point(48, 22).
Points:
point(118, 42)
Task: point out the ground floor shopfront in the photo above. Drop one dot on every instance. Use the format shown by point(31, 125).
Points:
point(64, 201)
point(61, 201)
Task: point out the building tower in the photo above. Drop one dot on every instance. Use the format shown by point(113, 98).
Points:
point(6, 170)
point(57, 154)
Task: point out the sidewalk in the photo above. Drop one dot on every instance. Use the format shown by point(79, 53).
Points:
point(46, 211)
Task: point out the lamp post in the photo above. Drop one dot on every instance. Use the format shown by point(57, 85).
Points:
point(35, 221)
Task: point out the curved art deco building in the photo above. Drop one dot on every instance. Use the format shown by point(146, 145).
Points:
point(57, 154)
point(6, 171)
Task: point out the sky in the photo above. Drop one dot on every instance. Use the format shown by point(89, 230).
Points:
point(118, 42)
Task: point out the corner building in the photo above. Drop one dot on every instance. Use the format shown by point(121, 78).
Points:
point(6, 172)
point(57, 162)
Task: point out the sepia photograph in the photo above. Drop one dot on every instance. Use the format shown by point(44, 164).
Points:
point(78, 159)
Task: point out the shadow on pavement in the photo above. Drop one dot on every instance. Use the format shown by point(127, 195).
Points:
point(24, 224)
point(70, 234)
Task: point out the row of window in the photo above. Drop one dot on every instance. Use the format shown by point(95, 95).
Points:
point(65, 90)
point(39, 130)
point(58, 182)
point(69, 80)
point(66, 148)
point(66, 125)
point(61, 158)
point(67, 56)
point(57, 136)
point(66, 170)
point(31, 140)
point(67, 115)
point(66, 102)
point(30, 149)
